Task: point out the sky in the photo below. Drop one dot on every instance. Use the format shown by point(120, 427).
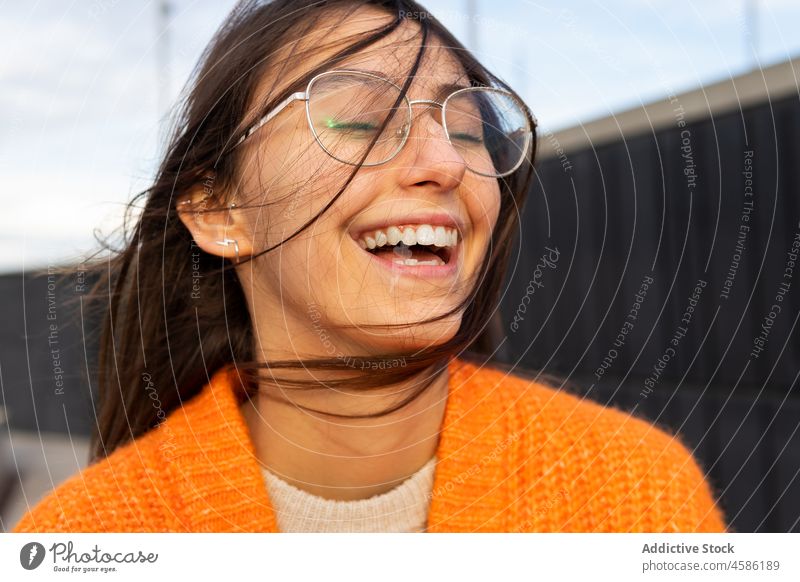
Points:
point(84, 100)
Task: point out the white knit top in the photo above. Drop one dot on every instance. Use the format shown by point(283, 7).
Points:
point(401, 509)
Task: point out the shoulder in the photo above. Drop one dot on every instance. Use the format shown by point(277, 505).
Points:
point(610, 469)
point(122, 492)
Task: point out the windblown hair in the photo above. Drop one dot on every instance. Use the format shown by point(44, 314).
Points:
point(155, 337)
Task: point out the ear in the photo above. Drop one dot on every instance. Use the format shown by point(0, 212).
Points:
point(211, 220)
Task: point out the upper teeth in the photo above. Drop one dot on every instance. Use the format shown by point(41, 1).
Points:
point(422, 234)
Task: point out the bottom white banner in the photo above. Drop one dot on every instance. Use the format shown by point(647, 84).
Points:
point(389, 557)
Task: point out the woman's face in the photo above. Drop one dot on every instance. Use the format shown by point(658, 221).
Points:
point(302, 292)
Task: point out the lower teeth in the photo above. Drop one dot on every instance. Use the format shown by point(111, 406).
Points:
point(415, 262)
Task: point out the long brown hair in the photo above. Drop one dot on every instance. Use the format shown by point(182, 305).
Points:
point(158, 346)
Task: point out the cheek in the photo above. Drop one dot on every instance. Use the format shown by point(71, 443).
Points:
point(484, 206)
point(495, 205)
point(287, 191)
point(303, 270)
point(308, 264)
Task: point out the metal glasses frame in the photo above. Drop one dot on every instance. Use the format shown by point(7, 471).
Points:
point(305, 96)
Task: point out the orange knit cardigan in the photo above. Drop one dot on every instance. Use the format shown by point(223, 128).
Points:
point(513, 456)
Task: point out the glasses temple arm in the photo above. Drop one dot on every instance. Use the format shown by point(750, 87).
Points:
point(269, 116)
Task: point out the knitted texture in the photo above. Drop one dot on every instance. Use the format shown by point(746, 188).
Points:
point(513, 456)
point(403, 508)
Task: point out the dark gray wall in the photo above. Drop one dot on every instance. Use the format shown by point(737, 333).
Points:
point(47, 343)
point(670, 208)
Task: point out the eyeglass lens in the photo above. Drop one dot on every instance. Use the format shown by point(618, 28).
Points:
point(488, 128)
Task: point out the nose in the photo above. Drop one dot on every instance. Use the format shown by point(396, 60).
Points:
point(428, 157)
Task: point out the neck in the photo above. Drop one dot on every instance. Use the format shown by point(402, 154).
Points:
point(343, 458)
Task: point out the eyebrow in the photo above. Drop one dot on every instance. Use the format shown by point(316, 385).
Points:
point(442, 91)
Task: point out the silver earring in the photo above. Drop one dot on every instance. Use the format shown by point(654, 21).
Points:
point(190, 201)
point(226, 242)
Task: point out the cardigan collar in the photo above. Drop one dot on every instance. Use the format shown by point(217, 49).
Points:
point(222, 487)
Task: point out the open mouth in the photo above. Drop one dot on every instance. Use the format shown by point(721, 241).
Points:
point(412, 255)
point(422, 249)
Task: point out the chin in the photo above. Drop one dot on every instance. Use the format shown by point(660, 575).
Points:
point(414, 337)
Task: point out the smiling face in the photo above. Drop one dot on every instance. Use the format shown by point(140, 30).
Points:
point(423, 204)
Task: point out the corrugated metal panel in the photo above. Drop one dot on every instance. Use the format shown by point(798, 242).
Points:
point(672, 205)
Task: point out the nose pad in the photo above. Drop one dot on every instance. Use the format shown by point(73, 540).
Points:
point(430, 160)
point(430, 124)
point(430, 109)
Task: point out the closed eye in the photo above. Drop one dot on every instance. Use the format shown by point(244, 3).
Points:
point(350, 125)
point(474, 139)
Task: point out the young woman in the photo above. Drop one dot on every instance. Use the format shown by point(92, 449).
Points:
point(295, 323)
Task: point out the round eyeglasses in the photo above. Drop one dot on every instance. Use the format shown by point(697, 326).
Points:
point(346, 109)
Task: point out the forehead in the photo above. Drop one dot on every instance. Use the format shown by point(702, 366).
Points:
point(438, 68)
point(392, 56)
